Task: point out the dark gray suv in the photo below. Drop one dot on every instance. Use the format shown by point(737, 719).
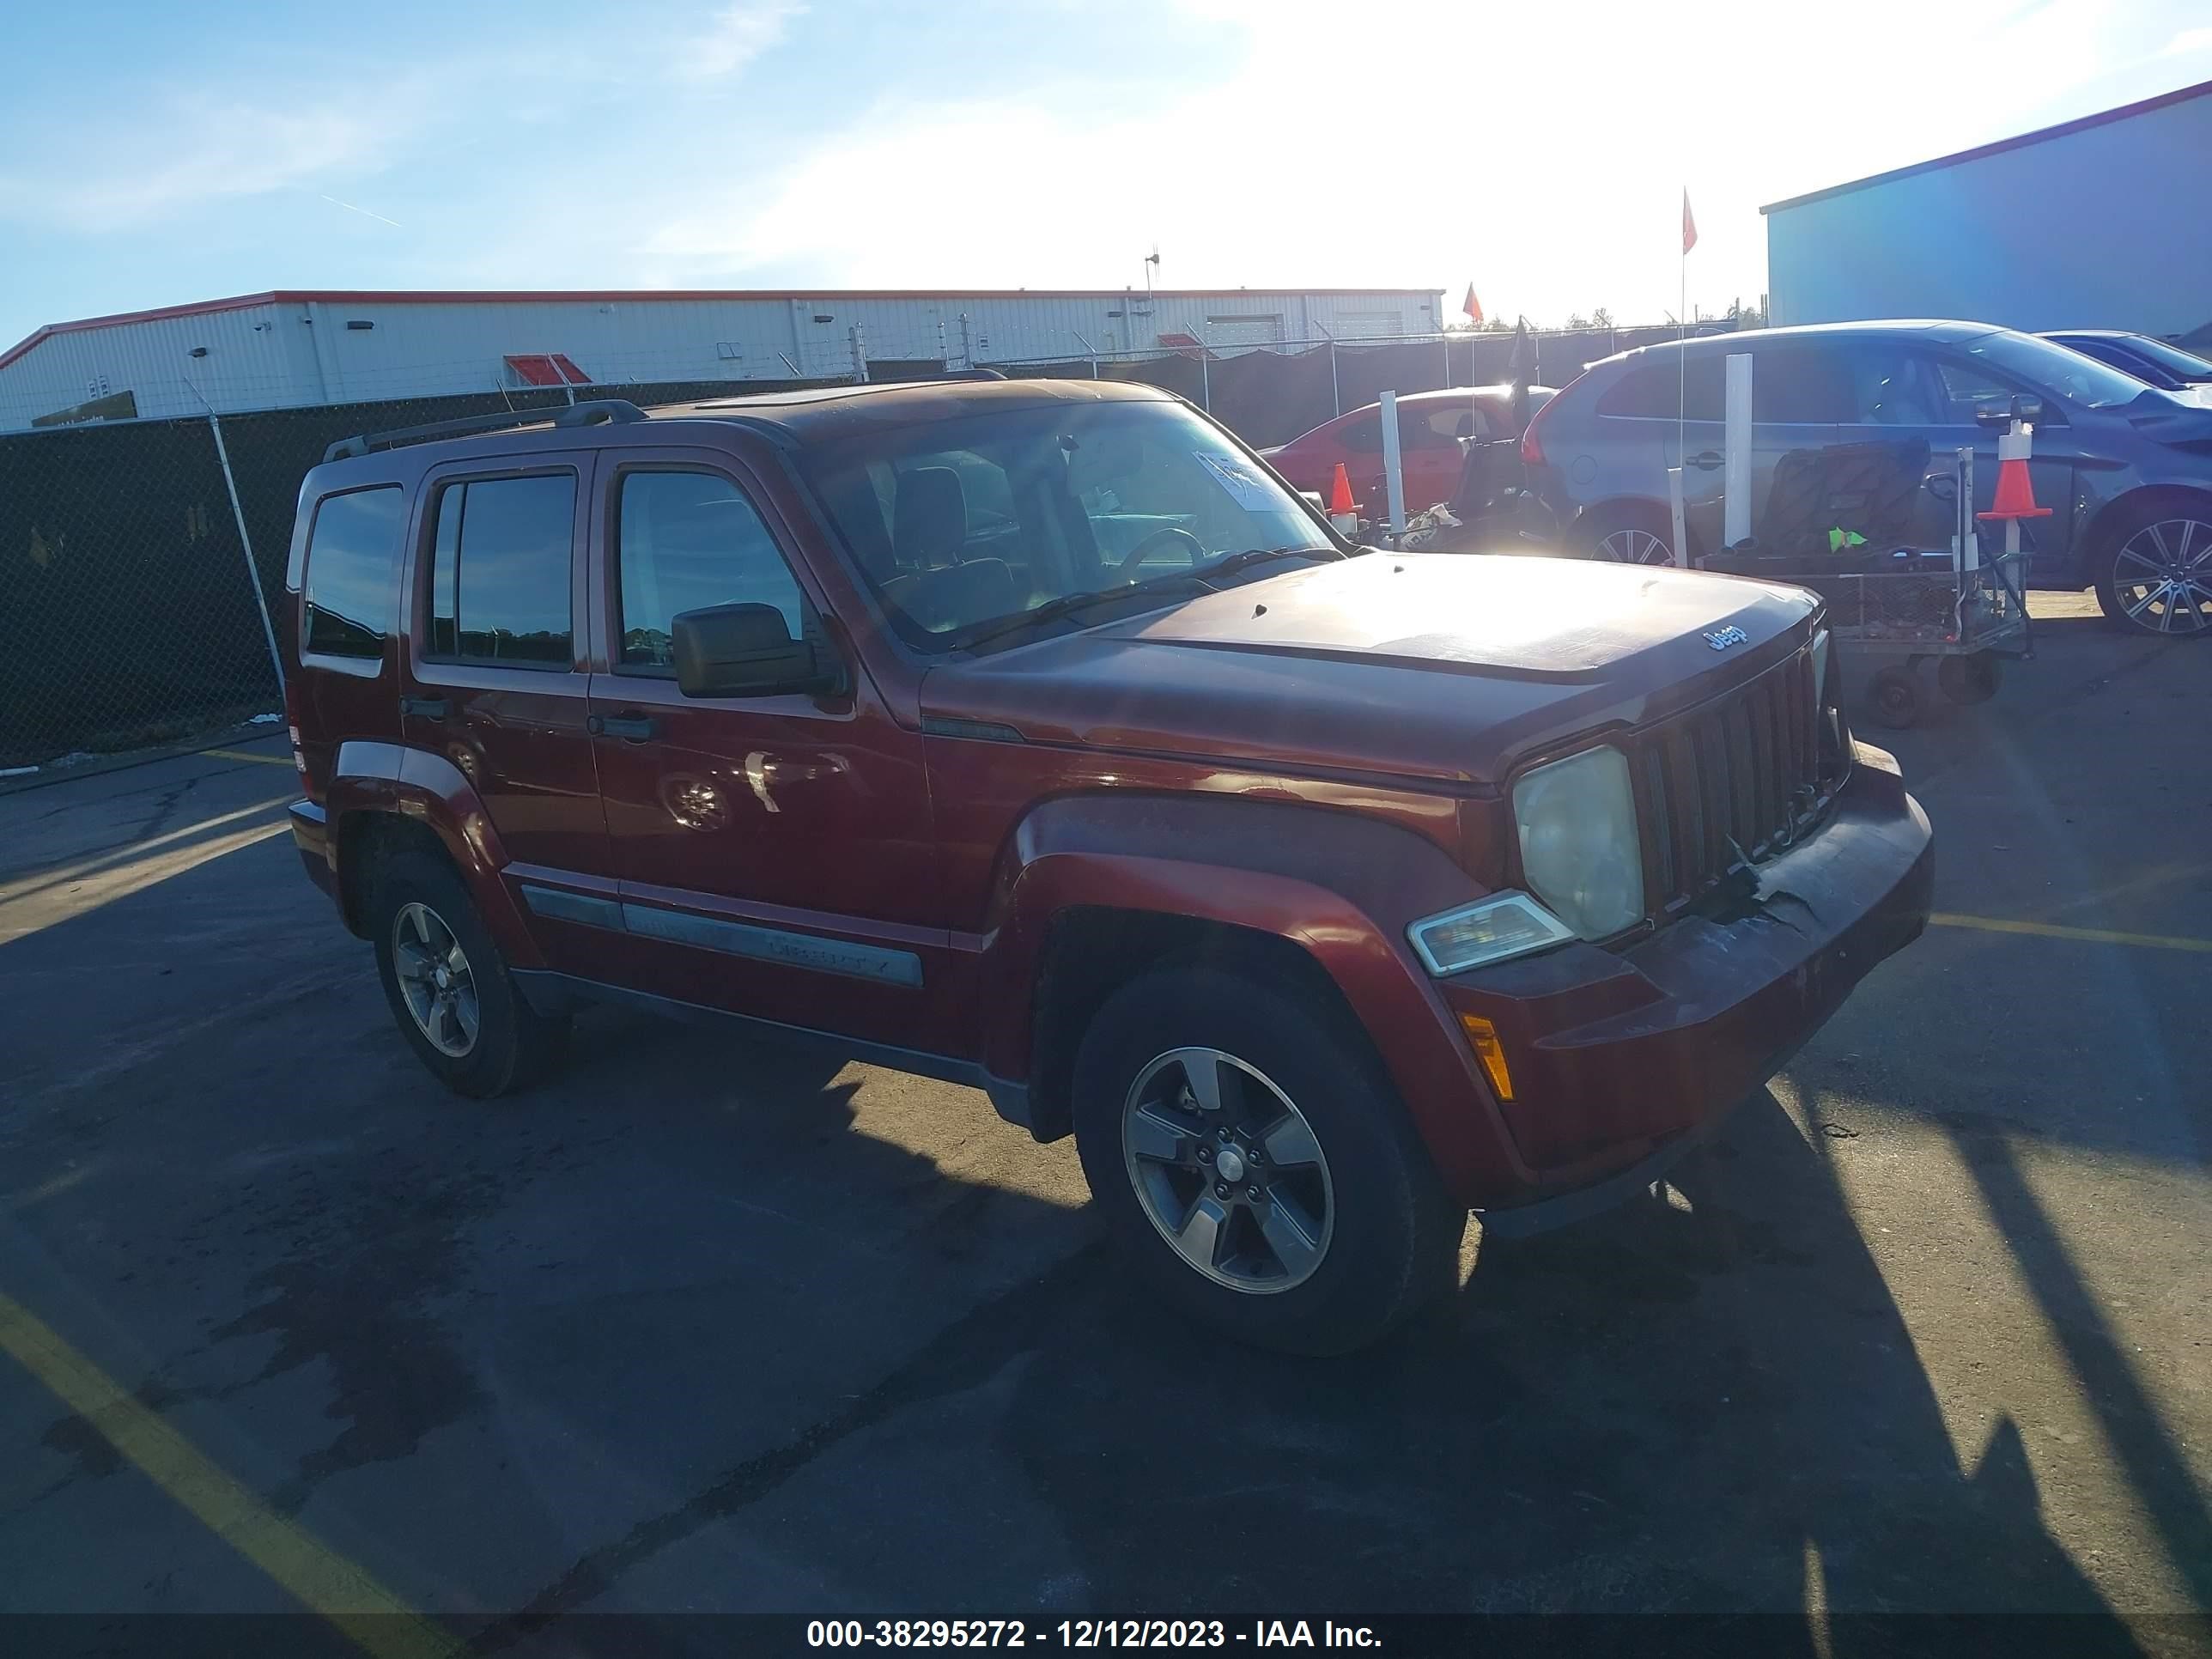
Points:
point(2126, 470)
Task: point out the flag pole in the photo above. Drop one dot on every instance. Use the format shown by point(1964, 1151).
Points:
point(1681, 345)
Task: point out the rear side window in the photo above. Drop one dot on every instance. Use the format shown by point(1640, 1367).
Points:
point(500, 571)
point(1659, 390)
point(684, 541)
point(353, 564)
point(1801, 386)
point(1363, 436)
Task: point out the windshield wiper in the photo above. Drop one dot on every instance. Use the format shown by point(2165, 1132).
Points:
point(1066, 605)
point(1259, 555)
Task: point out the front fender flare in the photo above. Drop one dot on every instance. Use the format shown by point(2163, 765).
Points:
point(1339, 886)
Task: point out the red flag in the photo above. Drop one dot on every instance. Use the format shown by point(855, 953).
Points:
point(1689, 225)
point(1473, 306)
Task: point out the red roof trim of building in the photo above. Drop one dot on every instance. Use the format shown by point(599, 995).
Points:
point(570, 296)
point(2082, 124)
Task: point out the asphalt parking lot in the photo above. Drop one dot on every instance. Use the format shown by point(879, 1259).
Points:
point(703, 1326)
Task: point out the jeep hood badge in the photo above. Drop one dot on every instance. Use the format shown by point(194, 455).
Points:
point(1721, 638)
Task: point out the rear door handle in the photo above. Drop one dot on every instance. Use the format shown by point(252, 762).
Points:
point(631, 728)
point(429, 708)
point(1706, 459)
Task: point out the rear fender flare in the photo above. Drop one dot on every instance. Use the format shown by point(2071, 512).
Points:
point(429, 789)
point(1339, 887)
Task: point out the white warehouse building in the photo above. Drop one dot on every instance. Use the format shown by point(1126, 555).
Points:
point(299, 348)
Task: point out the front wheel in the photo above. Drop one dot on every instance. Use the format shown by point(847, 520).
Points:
point(2158, 578)
point(1247, 1152)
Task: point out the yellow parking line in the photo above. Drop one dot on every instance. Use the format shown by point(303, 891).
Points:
point(240, 753)
point(2090, 935)
point(374, 1618)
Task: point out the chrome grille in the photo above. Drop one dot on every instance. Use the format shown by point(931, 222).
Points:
point(1734, 780)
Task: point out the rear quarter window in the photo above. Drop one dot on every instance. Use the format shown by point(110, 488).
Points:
point(1662, 390)
point(351, 585)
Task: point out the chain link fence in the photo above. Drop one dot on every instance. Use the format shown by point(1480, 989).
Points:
point(128, 610)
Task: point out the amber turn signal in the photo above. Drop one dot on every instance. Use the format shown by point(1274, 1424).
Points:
point(1487, 1049)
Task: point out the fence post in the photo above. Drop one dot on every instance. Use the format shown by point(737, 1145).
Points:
point(1205, 372)
point(253, 570)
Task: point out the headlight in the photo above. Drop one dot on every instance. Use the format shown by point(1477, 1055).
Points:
point(1510, 925)
point(1579, 845)
point(1819, 667)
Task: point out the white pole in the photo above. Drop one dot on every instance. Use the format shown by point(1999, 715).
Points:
point(1675, 508)
point(1736, 452)
point(1394, 478)
point(253, 570)
point(245, 541)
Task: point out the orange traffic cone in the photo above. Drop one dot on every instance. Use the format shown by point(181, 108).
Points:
point(1339, 493)
point(2015, 497)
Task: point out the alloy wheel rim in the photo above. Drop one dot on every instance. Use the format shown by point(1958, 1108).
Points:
point(435, 980)
point(1633, 546)
point(2162, 576)
point(1228, 1170)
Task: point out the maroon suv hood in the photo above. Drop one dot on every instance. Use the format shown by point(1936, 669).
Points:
point(1442, 666)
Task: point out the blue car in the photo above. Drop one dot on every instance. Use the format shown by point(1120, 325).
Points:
point(2125, 468)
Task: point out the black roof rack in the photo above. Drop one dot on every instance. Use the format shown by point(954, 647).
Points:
point(597, 411)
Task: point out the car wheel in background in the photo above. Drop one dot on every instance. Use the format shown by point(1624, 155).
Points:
point(447, 982)
point(1248, 1152)
point(2156, 575)
point(1627, 535)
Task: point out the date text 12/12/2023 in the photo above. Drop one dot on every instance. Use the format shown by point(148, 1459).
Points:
point(1086, 1633)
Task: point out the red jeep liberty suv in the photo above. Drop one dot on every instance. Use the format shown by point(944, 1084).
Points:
point(1037, 736)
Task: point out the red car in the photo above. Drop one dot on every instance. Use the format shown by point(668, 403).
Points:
point(1429, 427)
point(1033, 736)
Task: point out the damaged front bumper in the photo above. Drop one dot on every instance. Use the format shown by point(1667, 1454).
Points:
point(1617, 1055)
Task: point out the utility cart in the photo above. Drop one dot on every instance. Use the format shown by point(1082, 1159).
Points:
point(1889, 601)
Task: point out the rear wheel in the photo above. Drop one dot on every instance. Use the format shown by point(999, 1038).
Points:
point(1246, 1151)
point(1968, 679)
point(448, 985)
point(2157, 577)
point(1898, 700)
point(1627, 535)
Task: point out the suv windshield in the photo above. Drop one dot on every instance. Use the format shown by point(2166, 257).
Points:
point(2053, 369)
point(960, 526)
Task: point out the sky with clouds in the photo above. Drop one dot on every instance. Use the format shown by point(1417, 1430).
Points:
point(153, 154)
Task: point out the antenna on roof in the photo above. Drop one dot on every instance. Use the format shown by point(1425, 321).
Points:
point(1152, 264)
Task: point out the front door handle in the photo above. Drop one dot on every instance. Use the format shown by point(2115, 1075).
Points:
point(429, 708)
point(632, 727)
point(1706, 459)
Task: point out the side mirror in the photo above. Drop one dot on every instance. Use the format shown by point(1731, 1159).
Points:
point(2003, 411)
point(746, 651)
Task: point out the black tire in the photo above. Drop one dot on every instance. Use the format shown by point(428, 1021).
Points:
point(1622, 532)
point(2174, 532)
point(1969, 680)
point(512, 1044)
point(1393, 1236)
point(1897, 698)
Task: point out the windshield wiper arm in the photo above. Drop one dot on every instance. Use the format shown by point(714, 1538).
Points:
point(1066, 605)
point(1258, 555)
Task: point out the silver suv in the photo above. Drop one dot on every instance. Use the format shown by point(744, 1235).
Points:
point(2126, 470)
